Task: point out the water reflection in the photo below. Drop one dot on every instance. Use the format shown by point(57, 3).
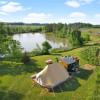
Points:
point(29, 40)
point(57, 40)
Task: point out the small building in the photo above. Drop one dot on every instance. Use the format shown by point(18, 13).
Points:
point(70, 63)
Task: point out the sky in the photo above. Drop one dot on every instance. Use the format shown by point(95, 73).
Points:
point(50, 11)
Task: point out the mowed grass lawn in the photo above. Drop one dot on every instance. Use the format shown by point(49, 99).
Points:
point(16, 84)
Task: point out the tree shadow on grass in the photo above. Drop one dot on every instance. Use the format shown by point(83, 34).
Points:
point(69, 85)
point(84, 74)
point(13, 68)
point(9, 95)
point(0, 82)
point(95, 44)
point(56, 54)
point(32, 67)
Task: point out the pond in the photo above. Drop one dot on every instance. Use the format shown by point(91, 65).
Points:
point(29, 40)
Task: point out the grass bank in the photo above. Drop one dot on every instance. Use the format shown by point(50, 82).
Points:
point(15, 82)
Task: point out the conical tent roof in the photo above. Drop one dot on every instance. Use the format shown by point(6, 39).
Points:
point(52, 75)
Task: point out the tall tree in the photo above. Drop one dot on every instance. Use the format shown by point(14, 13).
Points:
point(46, 47)
point(75, 38)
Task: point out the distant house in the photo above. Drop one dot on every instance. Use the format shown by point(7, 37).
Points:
point(70, 63)
point(98, 32)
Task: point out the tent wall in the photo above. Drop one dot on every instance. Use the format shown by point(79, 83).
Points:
point(52, 75)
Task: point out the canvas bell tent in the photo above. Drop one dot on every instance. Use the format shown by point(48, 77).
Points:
point(52, 75)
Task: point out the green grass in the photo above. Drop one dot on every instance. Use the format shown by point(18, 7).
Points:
point(16, 84)
point(93, 32)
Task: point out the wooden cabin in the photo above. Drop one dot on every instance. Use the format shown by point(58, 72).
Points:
point(70, 63)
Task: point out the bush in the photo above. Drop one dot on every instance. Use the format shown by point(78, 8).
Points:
point(25, 58)
point(56, 59)
point(90, 54)
point(37, 51)
point(86, 37)
point(96, 44)
point(53, 50)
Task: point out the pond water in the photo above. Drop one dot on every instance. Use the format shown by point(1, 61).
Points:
point(29, 40)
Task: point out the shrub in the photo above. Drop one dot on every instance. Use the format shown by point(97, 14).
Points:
point(37, 51)
point(53, 50)
point(86, 37)
point(90, 54)
point(96, 44)
point(56, 59)
point(25, 58)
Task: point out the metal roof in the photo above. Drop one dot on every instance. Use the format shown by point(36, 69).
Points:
point(68, 60)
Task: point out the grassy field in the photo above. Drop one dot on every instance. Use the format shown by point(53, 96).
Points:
point(16, 84)
point(93, 32)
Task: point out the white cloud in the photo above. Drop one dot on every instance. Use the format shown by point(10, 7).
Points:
point(0, 19)
point(37, 18)
point(73, 3)
point(71, 20)
point(3, 2)
point(78, 3)
point(3, 13)
point(97, 16)
point(74, 17)
point(11, 7)
point(48, 18)
point(77, 15)
point(86, 1)
point(50, 15)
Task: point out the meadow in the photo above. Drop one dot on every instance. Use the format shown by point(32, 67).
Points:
point(16, 84)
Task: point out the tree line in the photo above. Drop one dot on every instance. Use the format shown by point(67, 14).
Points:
point(69, 32)
point(73, 25)
point(21, 23)
point(20, 29)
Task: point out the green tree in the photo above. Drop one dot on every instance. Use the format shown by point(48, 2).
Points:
point(46, 46)
point(59, 26)
point(49, 28)
point(87, 38)
point(75, 38)
point(25, 58)
point(13, 50)
point(2, 28)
